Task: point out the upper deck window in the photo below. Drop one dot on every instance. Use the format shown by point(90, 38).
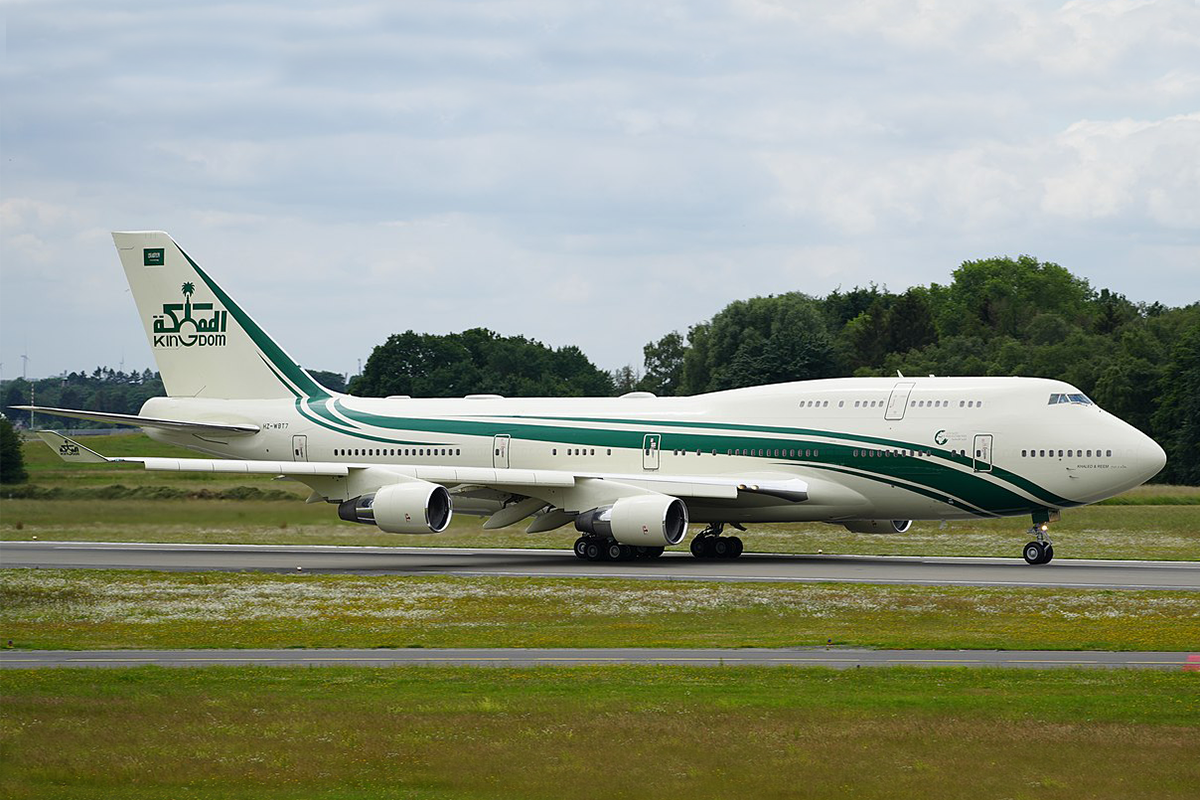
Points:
point(1081, 399)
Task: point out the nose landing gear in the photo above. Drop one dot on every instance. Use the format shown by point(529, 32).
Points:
point(1040, 550)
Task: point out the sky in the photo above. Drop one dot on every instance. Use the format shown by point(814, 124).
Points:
point(587, 173)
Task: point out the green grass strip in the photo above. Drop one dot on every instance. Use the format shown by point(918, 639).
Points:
point(658, 732)
point(85, 609)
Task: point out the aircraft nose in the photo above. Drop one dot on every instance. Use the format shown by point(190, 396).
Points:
point(1151, 458)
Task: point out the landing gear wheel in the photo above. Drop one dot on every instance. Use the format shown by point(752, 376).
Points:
point(613, 552)
point(592, 551)
point(654, 552)
point(735, 547)
point(1049, 554)
point(720, 547)
point(1035, 553)
point(628, 553)
point(697, 547)
point(581, 547)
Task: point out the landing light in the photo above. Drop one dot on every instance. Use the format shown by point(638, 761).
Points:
point(1045, 527)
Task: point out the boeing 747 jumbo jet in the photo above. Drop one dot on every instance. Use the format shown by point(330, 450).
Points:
point(630, 472)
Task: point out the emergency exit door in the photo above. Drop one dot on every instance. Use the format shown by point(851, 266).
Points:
point(983, 452)
point(650, 447)
point(299, 448)
point(500, 445)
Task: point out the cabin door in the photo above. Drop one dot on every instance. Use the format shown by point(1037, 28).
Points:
point(500, 445)
point(898, 401)
point(650, 447)
point(983, 452)
point(299, 448)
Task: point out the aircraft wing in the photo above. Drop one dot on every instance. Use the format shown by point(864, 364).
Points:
point(532, 489)
point(187, 426)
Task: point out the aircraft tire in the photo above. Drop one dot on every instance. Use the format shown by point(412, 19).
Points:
point(593, 552)
point(1034, 553)
point(581, 548)
point(721, 548)
point(1049, 554)
point(736, 546)
point(697, 547)
point(613, 552)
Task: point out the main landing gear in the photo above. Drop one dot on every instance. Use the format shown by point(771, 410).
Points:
point(709, 543)
point(1040, 550)
point(598, 548)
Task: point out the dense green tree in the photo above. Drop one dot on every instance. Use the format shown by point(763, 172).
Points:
point(663, 361)
point(477, 361)
point(761, 340)
point(12, 458)
point(909, 322)
point(1177, 420)
point(1000, 296)
point(333, 381)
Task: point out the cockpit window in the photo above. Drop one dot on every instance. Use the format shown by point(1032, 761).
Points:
point(1081, 399)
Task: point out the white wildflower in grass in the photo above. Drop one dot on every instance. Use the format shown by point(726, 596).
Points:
point(39, 595)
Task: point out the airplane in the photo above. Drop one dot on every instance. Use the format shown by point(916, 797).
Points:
point(628, 473)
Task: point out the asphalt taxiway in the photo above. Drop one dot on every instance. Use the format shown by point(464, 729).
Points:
point(835, 658)
point(1013, 572)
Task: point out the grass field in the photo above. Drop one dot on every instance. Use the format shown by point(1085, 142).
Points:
point(70, 609)
point(662, 732)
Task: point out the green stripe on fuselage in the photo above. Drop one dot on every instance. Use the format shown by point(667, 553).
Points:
point(939, 480)
point(1000, 473)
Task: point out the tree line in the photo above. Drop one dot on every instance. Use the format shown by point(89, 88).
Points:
point(998, 316)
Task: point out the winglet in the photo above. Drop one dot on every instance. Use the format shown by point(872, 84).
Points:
point(70, 450)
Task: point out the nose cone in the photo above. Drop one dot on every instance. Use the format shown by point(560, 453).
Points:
point(1150, 458)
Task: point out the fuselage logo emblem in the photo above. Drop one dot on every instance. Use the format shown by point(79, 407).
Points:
point(189, 324)
point(940, 437)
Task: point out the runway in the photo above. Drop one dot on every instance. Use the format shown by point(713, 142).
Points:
point(1012, 572)
point(832, 658)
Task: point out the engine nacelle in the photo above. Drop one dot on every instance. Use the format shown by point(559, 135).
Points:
point(878, 525)
point(411, 507)
point(650, 520)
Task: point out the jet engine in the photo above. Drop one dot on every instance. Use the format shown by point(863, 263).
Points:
point(650, 520)
point(411, 507)
point(878, 525)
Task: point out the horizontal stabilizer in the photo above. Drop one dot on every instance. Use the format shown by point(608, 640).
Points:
point(186, 426)
point(69, 449)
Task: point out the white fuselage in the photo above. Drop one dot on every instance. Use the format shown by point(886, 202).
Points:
point(868, 448)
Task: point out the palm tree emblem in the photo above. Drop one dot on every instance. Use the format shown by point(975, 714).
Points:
point(189, 289)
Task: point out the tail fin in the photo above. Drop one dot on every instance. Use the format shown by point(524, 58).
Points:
point(205, 345)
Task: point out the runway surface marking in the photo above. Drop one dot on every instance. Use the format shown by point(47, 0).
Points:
point(520, 657)
point(520, 563)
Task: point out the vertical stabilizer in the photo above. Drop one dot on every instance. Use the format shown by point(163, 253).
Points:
point(204, 344)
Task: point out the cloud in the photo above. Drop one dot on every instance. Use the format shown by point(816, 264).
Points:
point(596, 174)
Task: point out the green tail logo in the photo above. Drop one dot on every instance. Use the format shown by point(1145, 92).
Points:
point(180, 326)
